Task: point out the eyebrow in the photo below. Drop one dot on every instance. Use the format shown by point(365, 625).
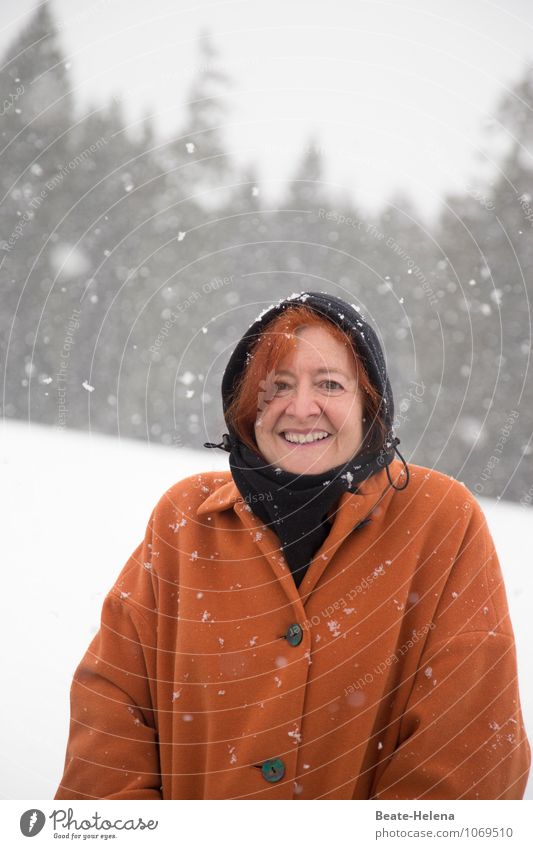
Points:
point(318, 371)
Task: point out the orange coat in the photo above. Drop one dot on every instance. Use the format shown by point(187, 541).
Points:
point(390, 673)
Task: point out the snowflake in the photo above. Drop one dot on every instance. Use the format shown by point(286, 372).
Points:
point(176, 695)
point(206, 616)
point(180, 524)
point(428, 671)
point(296, 736)
point(333, 626)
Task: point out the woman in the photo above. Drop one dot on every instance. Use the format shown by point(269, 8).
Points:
point(321, 622)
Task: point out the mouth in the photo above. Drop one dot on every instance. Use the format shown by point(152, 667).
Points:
point(301, 440)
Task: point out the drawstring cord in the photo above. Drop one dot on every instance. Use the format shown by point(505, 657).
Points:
point(225, 444)
point(399, 488)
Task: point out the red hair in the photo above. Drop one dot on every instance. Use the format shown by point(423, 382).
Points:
point(273, 345)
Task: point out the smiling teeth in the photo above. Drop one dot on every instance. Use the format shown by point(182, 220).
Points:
point(309, 437)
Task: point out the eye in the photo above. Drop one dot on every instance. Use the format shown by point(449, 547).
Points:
point(281, 385)
point(332, 384)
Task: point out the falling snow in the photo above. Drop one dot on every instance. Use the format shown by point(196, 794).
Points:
point(187, 378)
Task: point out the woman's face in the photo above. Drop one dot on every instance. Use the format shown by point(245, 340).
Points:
point(314, 391)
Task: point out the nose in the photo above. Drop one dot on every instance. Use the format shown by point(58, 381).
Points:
point(303, 404)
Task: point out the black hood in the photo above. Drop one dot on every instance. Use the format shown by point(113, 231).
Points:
point(339, 312)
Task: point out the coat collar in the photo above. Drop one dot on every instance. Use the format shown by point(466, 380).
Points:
point(220, 499)
point(352, 508)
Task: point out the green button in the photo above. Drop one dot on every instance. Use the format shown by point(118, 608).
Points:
point(273, 770)
point(294, 635)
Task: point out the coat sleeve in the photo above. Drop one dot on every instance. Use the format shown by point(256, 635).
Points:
point(112, 749)
point(462, 735)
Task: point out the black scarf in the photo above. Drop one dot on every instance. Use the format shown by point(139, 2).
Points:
point(296, 505)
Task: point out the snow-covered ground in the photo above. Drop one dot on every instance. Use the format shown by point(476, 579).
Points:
point(74, 506)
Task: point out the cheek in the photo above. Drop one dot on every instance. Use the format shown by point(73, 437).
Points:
point(266, 419)
point(348, 417)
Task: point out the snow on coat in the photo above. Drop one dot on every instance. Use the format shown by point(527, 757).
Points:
point(390, 674)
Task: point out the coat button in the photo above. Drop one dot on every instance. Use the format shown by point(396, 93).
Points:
point(294, 635)
point(273, 770)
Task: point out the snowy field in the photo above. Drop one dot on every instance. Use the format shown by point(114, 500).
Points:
point(74, 507)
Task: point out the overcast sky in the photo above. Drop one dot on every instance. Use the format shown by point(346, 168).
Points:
point(397, 93)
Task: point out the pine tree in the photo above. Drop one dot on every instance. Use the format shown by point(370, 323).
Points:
point(36, 120)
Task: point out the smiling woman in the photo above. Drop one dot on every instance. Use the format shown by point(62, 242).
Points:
point(323, 621)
